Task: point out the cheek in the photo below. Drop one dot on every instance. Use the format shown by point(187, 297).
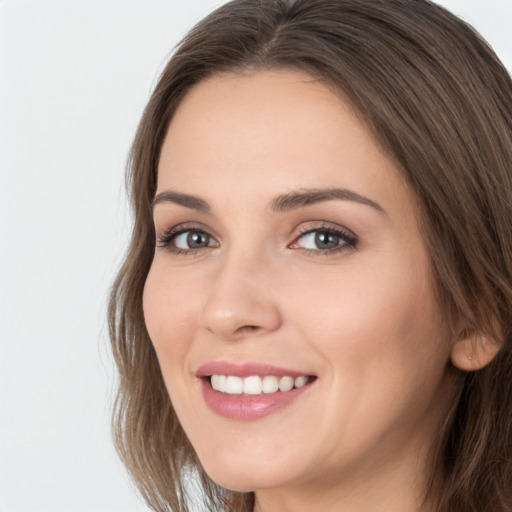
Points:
point(376, 319)
point(386, 348)
point(168, 314)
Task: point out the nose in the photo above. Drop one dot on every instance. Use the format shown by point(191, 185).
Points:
point(242, 300)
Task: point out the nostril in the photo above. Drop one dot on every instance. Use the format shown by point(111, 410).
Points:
point(247, 329)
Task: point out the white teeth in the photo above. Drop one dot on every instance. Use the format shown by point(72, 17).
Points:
point(270, 384)
point(255, 385)
point(286, 383)
point(234, 385)
point(301, 381)
point(214, 381)
point(252, 386)
point(219, 382)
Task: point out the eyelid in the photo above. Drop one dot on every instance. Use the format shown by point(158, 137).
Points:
point(165, 239)
point(348, 236)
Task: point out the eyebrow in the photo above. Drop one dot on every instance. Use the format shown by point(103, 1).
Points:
point(302, 198)
point(291, 201)
point(186, 200)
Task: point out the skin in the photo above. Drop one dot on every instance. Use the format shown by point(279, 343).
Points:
point(363, 319)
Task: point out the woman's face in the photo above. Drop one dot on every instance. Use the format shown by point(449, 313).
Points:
point(288, 254)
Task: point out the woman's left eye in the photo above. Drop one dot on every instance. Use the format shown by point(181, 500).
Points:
point(324, 240)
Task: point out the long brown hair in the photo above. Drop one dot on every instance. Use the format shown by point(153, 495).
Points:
point(440, 103)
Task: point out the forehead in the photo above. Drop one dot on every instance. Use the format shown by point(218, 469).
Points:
point(270, 131)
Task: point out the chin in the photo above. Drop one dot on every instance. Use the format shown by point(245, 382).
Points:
point(240, 481)
point(244, 476)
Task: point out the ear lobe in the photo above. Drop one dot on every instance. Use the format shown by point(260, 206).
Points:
point(473, 350)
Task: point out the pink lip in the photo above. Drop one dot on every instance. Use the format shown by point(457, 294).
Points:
point(245, 407)
point(245, 370)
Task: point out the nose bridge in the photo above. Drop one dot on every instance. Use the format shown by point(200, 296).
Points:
point(241, 298)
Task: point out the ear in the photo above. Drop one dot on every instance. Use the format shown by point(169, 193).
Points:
point(474, 350)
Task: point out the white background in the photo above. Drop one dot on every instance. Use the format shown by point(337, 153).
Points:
point(74, 78)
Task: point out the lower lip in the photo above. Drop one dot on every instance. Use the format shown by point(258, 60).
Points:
point(248, 407)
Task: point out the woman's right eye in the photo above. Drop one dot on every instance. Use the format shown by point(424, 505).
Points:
point(184, 241)
point(193, 240)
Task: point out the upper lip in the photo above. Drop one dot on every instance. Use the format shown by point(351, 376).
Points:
point(246, 370)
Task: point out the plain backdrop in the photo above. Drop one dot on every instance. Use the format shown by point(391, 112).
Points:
point(74, 78)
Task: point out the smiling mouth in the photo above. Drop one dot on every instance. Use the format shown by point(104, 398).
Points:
point(255, 385)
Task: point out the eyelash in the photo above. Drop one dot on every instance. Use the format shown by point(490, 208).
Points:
point(348, 238)
point(166, 241)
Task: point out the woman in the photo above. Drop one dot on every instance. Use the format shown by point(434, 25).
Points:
point(315, 309)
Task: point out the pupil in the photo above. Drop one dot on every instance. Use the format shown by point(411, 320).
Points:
point(195, 239)
point(326, 240)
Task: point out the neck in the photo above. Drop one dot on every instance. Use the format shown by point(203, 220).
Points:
point(389, 497)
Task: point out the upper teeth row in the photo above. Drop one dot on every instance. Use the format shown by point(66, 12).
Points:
point(255, 385)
